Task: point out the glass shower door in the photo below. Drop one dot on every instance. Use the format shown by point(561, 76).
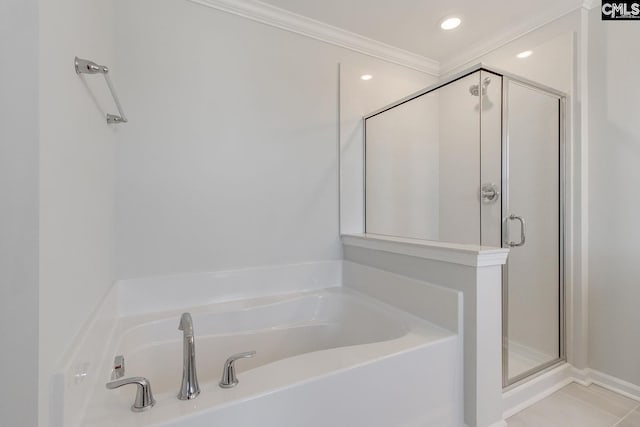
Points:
point(532, 228)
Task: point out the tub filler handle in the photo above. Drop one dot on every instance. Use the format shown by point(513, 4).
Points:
point(229, 378)
point(144, 397)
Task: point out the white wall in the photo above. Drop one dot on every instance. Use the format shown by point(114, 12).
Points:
point(614, 174)
point(19, 212)
point(230, 157)
point(357, 99)
point(76, 175)
point(552, 60)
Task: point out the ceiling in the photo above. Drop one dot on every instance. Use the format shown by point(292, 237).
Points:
point(413, 25)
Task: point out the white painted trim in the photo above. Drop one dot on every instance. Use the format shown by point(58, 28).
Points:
point(536, 389)
point(612, 383)
point(289, 21)
point(582, 342)
point(495, 43)
point(531, 392)
point(470, 255)
point(575, 254)
point(581, 376)
point(299, 24)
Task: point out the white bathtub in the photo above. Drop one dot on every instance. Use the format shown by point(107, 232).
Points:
point(324, 358)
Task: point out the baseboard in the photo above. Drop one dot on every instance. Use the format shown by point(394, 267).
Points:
point(531, 392)
point(581, 376)
point(617, 385)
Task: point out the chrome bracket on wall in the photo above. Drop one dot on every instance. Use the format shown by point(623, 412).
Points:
point(84, 66)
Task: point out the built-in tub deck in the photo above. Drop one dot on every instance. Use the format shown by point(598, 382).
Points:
point(298, 338)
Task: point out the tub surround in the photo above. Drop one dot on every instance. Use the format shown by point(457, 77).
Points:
point(432, 303)
point(156, 294)
point(276, 327)
point(304, 342)
point(331, 358)
point(79, 370)
point(473, 270)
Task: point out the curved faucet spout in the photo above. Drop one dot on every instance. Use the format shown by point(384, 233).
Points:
point(186, 324)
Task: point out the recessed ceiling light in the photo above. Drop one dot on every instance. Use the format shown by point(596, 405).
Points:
point(525, 54)
point(450, 23)
point(366, 77)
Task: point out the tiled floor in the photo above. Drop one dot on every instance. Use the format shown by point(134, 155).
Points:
point(579, 406)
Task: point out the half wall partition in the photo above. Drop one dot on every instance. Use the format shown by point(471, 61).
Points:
point(478, 159)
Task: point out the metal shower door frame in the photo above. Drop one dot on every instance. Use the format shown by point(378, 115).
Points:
point(509, 383)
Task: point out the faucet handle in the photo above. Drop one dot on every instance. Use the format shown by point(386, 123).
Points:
point(144, 397)
point(229, 378)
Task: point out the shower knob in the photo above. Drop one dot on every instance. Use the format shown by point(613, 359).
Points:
point(489, 193)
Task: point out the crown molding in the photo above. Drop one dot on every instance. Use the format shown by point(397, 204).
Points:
point(289, 21)
point(474, 54)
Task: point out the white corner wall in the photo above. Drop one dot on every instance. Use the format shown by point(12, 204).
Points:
point(77, 152)
point(230, 158)
point(357, 99)
point(19, 212)
point(552, 60)
point(614, 174)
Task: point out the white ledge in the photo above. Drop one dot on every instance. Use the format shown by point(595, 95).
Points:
point(454, 253)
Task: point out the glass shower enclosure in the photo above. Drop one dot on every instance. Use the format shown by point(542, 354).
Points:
point(479, 159)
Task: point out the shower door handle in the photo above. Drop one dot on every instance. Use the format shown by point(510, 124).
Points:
point(523, 231)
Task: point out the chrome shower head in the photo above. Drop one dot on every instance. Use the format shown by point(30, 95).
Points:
point(475, 90)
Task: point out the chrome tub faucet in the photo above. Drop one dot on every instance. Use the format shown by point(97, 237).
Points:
point(144, 396)
point(189, 389)
point(229, 378)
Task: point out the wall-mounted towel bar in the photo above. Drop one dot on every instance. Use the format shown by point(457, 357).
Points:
point(84, 66)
